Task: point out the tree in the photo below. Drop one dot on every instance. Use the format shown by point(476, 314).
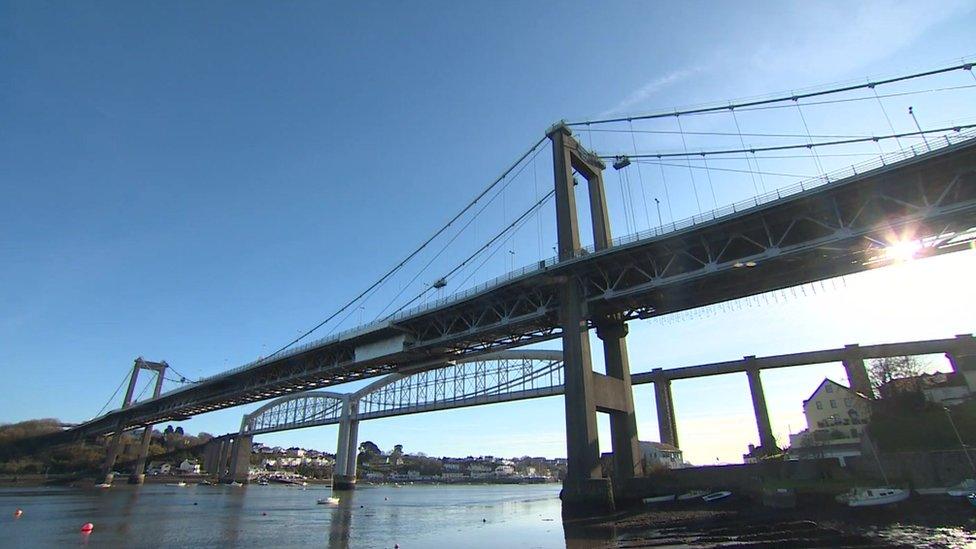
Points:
point(885, 370)
point(179, 430)
point(396, 455)
point(168, 430)
point(367, 451)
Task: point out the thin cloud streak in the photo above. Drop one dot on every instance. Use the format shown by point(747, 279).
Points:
point(647, 90)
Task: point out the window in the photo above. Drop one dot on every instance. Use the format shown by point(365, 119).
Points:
point(847, 402)
point(819, 405)
point(830, 388)
point(833, 403)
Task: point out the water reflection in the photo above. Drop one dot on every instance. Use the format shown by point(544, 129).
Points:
point(339, 526)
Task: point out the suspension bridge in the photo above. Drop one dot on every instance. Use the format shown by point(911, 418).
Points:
point(914, 195)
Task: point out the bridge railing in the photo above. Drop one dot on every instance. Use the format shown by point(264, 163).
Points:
point(883, 160)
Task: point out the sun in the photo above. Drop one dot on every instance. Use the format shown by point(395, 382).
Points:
point(904, 250)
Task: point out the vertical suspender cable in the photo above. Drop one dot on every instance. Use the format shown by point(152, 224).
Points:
point(813, 153)
point(885, 113)
point(667, 195)
point(640, 176)
point(691, 172)
point(535, 183)
point(743, 143)
point(708, 173)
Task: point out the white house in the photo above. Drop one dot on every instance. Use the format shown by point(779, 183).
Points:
point(836, 419)
point(660, 454)
point(189, 467)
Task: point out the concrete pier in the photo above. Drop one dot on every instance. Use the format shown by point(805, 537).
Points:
point(667, 424)
point(138, 475)
point(857, 374)
point(587, 392)
point(623, 421)
point(240, 459)
point(766, 440)
point(347, 449)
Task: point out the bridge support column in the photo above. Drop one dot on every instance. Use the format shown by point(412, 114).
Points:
point(138, 475)
point(240, 459)
point(222, 455)
point(766, 440)
point(623, 422)
point(115, 443)
point(347, 449)
point(667, 424)
point(857, 374)
point(584, 486)
point(210, 451)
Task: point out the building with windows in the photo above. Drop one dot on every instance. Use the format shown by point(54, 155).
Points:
point(836, 418)
point(659, 454)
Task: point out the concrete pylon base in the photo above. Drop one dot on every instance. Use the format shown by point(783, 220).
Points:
point(588, 496)
point(343, 482)
point(137, 478)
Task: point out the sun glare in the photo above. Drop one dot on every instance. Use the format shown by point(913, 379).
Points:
point(903, 251)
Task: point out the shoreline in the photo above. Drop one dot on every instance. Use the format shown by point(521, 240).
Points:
point(746, 523)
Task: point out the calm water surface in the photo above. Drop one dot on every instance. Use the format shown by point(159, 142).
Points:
point(282, 516)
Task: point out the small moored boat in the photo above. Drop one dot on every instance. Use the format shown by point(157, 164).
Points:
point(972, 499)
point(715, 496)
point(659, 499)
point(328, 501)
point(179, 484)
point(694, 494)
point(867, 497)
point(962, 489)
point(103, 485)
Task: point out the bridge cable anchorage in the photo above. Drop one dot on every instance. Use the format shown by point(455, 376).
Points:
point(778, 99)
point(946, 129)
point(743, 144)
point(535, 207)
point(414, 253)
point(640, 177)
point(691, 172)
point(472, 220)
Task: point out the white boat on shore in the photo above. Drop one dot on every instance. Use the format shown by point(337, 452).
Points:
point(715, 496)
point(179, 484)
point(694, 494)
point(868, 497)
point(328, 501)
point(963, 489)
point(659, 499)
point(103, 485)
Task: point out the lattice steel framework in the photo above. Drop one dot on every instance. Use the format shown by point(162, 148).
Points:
point(500, 377)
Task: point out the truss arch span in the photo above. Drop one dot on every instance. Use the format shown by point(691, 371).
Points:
point(496, 377)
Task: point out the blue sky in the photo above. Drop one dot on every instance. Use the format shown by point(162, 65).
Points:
point(201, 182)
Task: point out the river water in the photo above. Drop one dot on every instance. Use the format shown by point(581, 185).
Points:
point(283, 516)
point(458, 516)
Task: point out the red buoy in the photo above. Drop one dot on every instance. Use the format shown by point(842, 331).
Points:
point(18, 512)
point(87, 527)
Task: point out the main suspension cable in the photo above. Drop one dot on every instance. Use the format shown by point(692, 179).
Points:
point(779, 99)
point(800, 146)
point(415, 252)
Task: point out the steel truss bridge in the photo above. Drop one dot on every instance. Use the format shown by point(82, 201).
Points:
point(835, 225)
point(509, 376)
